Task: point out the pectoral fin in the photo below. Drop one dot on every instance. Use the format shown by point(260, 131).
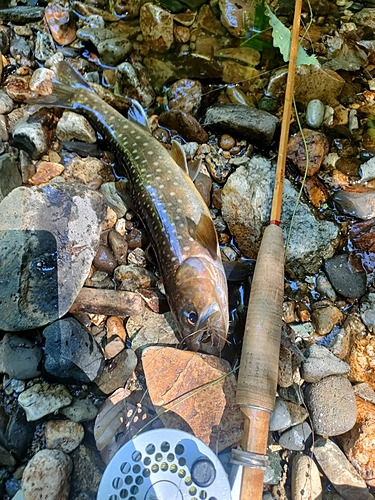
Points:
point(204, 233)
point(178, 154)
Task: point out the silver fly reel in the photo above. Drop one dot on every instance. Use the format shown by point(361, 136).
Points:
point(165, 464)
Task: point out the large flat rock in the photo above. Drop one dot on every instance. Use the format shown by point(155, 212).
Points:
point(48, 238)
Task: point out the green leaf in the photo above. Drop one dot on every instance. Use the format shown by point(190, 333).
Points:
point(282, 39)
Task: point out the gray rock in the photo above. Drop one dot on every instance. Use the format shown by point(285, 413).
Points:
point(365, 392)
point(87, 472)
point(339, 470)
point(367, 311)
point(320, 363)
point(246, 206)
point(20, 47)
point(305, 481)
point(31, 137)
point(280, 417)
point(365, 17)
point(253, 124)
point(21, 14)
point(71, 351)
point(314, 113)
point(80, 410)
point(48, 470)
point(10, 177)
point(42, 399)
point(293, 393)
point(6, 458)
point(151, 329)
point(355, 203)
point(44, 46)
point(6, 103)
point(63, 435)
point(19, 357)
point(295, 438)
point(46, 249)
point(117, 373)
point(272, 474)
point(331, 403)
point(367, 170)
point(131, 277)
point(345, 279)
point(324, 287)
point(114, 50)
point(113, 199)
point(74, 126)
point(13, 385)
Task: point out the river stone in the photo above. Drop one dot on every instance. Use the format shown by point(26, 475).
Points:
point(19, 433)
point(305, 481)
point(339, 470)
point(367, 311)
point(253, 124)
point(30, 137)
point(117, 373)
point(49, 235)
point(6, 103)
point(345, 279)
point(315, 113)
point(19, 357)
point(320, 363)
point(114, 50)
point(246, 206)
point(331, 403)
point(71, 351)
point(48, 471)
point(74, 126)
point(359, 203)
point(80, 410)
point(87, 472)
point(295, 438)
point(156, 26)
point(151, 329)
point(42, 399)
point(63, 435)
point(280, 417)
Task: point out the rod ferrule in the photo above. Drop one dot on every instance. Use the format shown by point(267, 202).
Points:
point(249, 459)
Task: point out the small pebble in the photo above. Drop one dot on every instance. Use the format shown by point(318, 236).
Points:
point(104, 260)
point(63, 435)
point(314, 113)
point(296, 437)
point(226, 142)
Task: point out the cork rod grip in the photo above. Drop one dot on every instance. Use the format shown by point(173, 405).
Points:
point(257, 380)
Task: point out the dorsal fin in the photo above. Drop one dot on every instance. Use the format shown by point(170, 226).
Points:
point(138, 115)
point(204, 232)
point(178, 154)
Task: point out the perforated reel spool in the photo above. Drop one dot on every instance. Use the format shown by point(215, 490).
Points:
point(164, 464)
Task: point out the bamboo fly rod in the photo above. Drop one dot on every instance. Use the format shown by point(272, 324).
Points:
point(257, 381)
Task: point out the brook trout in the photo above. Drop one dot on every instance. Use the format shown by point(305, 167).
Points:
point(174, 214)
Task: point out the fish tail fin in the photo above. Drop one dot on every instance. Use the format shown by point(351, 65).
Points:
point(66, 81)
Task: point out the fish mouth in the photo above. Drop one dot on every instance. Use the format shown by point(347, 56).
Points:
point(210, 336)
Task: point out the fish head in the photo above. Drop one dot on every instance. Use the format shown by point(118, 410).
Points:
point(199, 303)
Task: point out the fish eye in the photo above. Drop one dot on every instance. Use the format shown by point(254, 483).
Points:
point(191, 316)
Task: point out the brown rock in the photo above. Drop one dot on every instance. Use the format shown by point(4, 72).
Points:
point(317, 145)
point(104, 260)
point(157, 27)
point(325, 316)
point(113, 347)
point(285, 375)
point(315, 191)
point(358, 443)
point(362, 360)
point(46, 171)
point(117, 372)
point(119, 246)
point(185, 124)
point(61, 25)
point(211, 414)
point(108, 302)
point(115, 328)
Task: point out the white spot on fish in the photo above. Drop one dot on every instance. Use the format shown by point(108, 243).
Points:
point(132, 131)
point(186, 249)
point(145, 144)
point(150, 152)
point(172, 193)
point(138, 137)
point(156, 163)
point(157, 178)
point(173, 259)
point(181, 225)
point(161, 186)
point(158, 170)
point(179, 210)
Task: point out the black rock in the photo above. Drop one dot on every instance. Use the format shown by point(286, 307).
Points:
point(19, 433)
point(345, 279)
point(19, 357)
point(255, 125)
point(71, 351)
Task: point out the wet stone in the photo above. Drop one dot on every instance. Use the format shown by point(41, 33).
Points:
point(331, 404)
point(296, 437)
point(90, 171)
point(104, 260)
point(114, 50)
point(320, 363)
point(71, 351)
point(346, 280)
point(367, 311)
point(274, 469)
point(317, 145)
point(361, 358)
point(48, 470)
point(292, 393)
point(6, 103)
point(44, 46)
point(74, 126)
point(157, 27)
point(63, 435)
point(42, 399)
point(314, 113)
point(325, 317)
point(252, 124)
point(19, 357)
point(339, 470)
point(10, 177)
point(132, 81)
point(324, 287)
point(185, 95)
point(20, 47)
point(46, 251)
point(31, 137)
point(359, 203)
point(185, 124)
